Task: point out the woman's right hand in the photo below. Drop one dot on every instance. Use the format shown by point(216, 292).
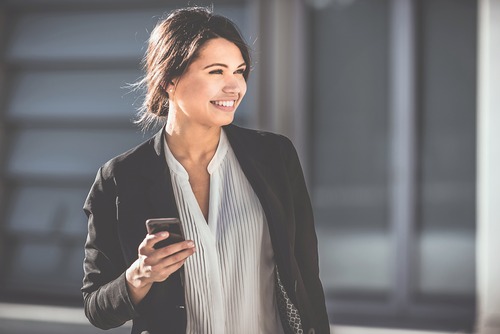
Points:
point(155, 265)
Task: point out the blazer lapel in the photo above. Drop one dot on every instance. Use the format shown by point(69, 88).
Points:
point(149, 195)
point(161, 194)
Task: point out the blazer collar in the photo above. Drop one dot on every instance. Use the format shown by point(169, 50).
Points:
point(161, 194)
point(158, 141)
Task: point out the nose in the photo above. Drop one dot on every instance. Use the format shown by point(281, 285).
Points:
point(233, 84)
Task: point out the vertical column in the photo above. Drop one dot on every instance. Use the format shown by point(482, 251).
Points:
point(3, 28)
point(488, 178)
point(403, 143)
point(281, 60)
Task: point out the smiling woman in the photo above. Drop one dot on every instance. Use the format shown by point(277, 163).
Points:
point(174, 45)
point(211, 88)
point(249, 261)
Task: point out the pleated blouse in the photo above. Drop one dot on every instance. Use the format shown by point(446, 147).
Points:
point(229, 280)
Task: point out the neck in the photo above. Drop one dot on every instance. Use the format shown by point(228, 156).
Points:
point(193, 143)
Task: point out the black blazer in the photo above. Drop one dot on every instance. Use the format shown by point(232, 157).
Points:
point(136, 186)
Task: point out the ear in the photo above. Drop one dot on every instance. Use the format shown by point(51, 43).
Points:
point(169, 88)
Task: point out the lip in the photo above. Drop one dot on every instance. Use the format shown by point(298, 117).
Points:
point(225, 108)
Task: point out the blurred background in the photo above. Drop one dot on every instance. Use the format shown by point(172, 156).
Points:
point(379, 97)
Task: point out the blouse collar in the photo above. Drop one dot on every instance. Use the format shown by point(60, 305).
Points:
point(220, 153)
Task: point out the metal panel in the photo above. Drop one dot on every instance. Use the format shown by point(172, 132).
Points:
point(350, 146)
point(84, 36)
point(448, 139)
point(66, 153)
point(42, 210)
point(92, 95)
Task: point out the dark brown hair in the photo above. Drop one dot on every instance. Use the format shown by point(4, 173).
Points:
point(174, 43)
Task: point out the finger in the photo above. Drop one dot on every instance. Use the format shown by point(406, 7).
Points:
point(176, 266)
point(175, 248)
point(147, 245)
point(167, 271)
point(160, 258)
point(152, 239)
point(176, 257)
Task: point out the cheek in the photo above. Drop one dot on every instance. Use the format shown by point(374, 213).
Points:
point(196, 92)
point(243, 87)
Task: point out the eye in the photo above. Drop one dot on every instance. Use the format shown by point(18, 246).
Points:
point(240, 71)
point(219, 71)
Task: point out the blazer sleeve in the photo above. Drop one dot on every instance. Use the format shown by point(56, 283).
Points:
point(306, 243)
point(106, 299)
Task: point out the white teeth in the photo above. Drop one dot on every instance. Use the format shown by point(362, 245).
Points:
point(224, 103)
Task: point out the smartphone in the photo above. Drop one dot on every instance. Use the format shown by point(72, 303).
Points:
point(171, 225)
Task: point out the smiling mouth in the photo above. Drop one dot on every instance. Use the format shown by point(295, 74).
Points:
point(227, 104)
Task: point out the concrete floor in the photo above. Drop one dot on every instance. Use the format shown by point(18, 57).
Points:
point(16, 326)
point(40, 319)
point(36, 319)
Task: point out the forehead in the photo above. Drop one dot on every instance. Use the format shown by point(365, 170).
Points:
point(219, 50)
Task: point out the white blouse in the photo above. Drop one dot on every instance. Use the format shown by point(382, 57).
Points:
point(229, 280)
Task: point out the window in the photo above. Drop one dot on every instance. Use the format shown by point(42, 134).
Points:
point(393, 184)
point(65, 113)
point(392, 168)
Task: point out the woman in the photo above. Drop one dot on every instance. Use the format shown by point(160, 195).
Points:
point(249, 263)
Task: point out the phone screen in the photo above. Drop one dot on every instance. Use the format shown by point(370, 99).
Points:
point(171, 225)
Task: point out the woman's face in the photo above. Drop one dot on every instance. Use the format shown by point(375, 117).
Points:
point(212, 87)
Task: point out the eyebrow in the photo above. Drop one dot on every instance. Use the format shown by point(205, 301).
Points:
point(222, 65)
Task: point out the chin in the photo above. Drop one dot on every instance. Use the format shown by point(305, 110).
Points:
point(228, 119)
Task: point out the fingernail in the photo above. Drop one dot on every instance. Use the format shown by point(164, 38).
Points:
point(164, 234)
point(190, 244)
